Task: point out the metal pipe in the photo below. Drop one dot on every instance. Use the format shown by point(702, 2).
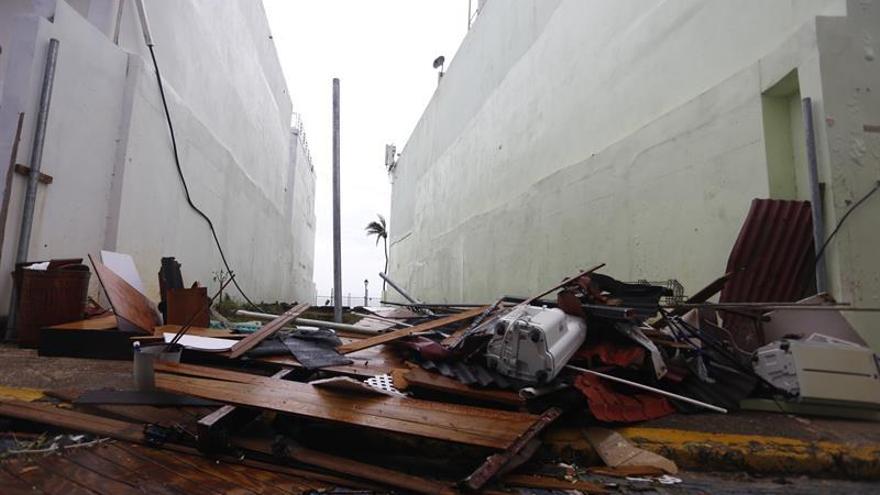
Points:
point(145, 25)
point(30, 196)
point(400, 291)
point(404, 294)
point(337, 230)
point(309, 322)
point(815, 194)
point(650, 389)
point(379, 318)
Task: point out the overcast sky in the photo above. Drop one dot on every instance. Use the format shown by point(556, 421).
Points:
point(382, 53)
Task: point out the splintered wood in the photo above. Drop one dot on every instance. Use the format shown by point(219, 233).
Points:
point(266, 331)
point(454, 423)
point(406, 332)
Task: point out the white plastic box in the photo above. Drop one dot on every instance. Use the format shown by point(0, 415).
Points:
point(533, 344)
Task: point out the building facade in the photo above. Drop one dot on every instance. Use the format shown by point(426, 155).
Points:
point(636, 133)
point(115, 184)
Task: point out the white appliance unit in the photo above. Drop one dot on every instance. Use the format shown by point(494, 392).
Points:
point(533, 344)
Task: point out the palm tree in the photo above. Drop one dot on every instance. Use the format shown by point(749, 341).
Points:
point(380, 230)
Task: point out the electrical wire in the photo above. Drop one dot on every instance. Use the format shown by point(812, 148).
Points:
point(842, 219)
point(183, 181)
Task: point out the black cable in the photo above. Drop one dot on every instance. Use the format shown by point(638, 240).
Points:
point(186, 188)
point(851, 209)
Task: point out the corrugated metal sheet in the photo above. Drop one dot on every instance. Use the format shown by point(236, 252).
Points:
point(773, 261)
point(606, 404)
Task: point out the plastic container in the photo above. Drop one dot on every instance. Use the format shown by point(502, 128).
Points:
point(145, 358)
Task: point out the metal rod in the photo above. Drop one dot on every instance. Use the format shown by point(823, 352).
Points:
point(379, 318)
point(337, 229)
point(437, 305)
point(309, 322)
point(650, 389)
point(400, 291)
point(815, 194)
point(30, 196)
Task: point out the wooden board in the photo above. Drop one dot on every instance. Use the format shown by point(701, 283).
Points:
point(184, 303)
point(406, 332)
point(71, 420)
point(417, 377)
point(106, 322)
point(455, 423)
point(140, 314)
point(123, 265)
point(266, 331)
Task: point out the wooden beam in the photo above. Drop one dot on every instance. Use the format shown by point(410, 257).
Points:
point(72, 420)
point(26, 171)
point(266, 331)
point(419, 378)
point(406, 332)
point(450, 422)
point(370, 472)
point(214, 429)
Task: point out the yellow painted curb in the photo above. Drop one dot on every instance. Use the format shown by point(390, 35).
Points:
point(702, 451)
point(17, 393)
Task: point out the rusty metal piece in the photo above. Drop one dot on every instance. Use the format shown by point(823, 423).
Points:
point(773, 261)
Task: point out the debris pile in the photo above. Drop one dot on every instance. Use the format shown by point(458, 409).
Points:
point(435, 398)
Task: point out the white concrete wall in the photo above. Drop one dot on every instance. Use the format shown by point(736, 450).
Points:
point(116, 186)
point(302, 204)
point(567, 133)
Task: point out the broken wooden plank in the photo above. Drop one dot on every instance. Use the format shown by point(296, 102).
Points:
point(182, 304)
point(214, 429)
point(134, 311)
point(420, 378)
point(26, 171)
point(365, 471)
point(266, 331)
point(498, 462)
point(451, 422)
point(71, 420)
point(406, 332)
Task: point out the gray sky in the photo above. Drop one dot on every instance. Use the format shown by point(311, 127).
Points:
point(382, 52)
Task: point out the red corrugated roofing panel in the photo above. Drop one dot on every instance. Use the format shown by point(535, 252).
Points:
point(773, 261)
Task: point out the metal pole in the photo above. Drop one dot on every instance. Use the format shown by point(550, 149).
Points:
point(815, 194)
point(650, 389)
point(337, 231)
point(30, 196)
point(366, 293)
point(309, 322)
point(399, 290)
